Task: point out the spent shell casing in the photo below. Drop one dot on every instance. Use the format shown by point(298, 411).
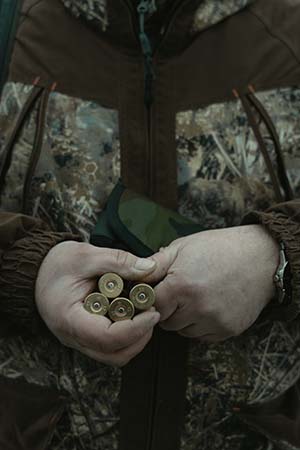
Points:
point(97, 303)
point(111, 285)
point(121, 309)
point(142, 296)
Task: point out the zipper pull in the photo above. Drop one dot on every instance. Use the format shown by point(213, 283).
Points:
point(143, 8)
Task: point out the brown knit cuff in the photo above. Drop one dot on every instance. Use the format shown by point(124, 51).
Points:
point(285, 230)
point(19, 269)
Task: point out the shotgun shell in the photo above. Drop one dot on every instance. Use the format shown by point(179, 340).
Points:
point(142, 296)
point(111, 285)
point(121, 309)
point(97, 303)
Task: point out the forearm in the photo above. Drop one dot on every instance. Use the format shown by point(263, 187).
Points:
point(24, 243)
point(283, 222)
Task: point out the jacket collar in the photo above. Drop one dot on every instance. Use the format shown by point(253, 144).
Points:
point(114, 18)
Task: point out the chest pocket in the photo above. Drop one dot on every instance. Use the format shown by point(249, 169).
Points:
point(222, 170)
point(19, 124)
point(60, 156)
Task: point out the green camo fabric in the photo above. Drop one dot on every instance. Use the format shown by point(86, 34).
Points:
point(142, 225)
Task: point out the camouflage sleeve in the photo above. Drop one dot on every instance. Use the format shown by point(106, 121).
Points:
point(24, 243)
point(283, 222)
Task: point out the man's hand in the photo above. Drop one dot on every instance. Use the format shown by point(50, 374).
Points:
point(67, 275)
point(216, 282)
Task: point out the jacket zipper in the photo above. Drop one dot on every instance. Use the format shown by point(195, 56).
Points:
point(164, 33)
point(138, 26)
point(149, 69)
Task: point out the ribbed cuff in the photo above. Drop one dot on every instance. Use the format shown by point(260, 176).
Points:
point(285, 230)
point(19, 269)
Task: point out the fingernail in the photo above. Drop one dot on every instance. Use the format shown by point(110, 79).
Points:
point(145, 264)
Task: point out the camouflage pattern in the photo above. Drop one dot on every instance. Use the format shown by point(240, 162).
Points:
point(251, 369)
point(222, 176)
point(221, 171)
point(79, 164)
point(91, 10)
point(283, 107)
point(13, 98)
point(92, 416)
point(210, 13)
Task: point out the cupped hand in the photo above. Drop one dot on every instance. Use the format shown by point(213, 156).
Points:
point(67, 275)
point(216, 283)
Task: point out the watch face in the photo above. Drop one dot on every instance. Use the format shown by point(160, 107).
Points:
point(282, 279)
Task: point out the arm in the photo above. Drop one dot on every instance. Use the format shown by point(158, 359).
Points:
point(215, 284)
point(44, 280)
point(283, 222)
point(24, 243)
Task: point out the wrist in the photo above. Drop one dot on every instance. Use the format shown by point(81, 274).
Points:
point(269, 251)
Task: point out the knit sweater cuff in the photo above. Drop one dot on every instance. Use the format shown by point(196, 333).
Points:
point(19, 269)
point(285, 230)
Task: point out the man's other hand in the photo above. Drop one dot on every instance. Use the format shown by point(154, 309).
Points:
point(215, 283)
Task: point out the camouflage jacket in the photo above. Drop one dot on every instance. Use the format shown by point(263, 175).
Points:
point(211, 130)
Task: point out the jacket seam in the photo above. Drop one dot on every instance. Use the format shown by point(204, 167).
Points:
point(25, 13)
point(275, 36)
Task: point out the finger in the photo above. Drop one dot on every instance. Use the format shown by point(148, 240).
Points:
point(101, 260)
point(179, 320)
point(166, 301)
point(100, 334)
point(200, 332)
point(121, 357)
point(164, 260)
point(195, 332)
point(206, 338)
point(131, 331)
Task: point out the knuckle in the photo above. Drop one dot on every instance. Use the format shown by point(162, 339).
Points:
point(122, 258)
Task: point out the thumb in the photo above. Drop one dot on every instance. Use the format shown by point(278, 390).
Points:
point(125, 264)
point(164, 259)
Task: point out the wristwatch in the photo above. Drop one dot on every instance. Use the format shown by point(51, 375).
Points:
point(282, 278)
